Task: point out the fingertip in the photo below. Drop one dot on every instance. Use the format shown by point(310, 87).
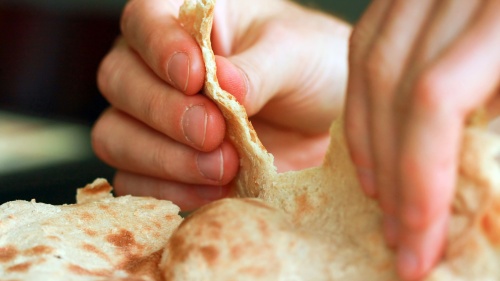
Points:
point(231, 162)
point(152, 29)
point(390, 225)
point(420, 250)
point(215, 128)
point(184, 68)
point(367, 181)
point(408, 264)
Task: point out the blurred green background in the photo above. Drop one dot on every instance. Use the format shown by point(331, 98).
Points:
point(49, 54)
point(346, 9)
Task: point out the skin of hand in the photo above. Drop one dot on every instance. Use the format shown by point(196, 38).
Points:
point(286, 64)
point(417, 70)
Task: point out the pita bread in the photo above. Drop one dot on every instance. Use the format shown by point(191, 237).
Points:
point(317, 224)
point(99, 238)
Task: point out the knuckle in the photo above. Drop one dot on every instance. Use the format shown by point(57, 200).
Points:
point(357, 144)
point(359, 158)
point(430, 90)
point(378, 70)
point(161, 158)
point(154, 111)
point(162, 58)
point(98, 140)
point(109, 74)
point(358, 42)
point(103, 73)
point(128, 10)
point(388, 207)
point(417, 212)
point(424, 219)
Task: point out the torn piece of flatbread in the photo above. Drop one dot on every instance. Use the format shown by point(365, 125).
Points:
point(197, 17)
point(99, 238)
point(317, 224)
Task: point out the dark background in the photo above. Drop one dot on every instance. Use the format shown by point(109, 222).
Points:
point(49, 54)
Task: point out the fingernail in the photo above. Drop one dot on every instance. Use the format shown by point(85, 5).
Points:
point(178, 70)
point(211, 164)
point(194, 125)
point(367, 181)
point(390, 225)
point(212, 192)
point(407, 263)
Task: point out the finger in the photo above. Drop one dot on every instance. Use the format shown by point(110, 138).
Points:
point(384, 66)
point(128, 145)
point(152, 29)
point(129, 85)
point(433, 241)
point(444, 95)
point(493, 106)
point(187, 197)
point(356, 115)
point(446, 23)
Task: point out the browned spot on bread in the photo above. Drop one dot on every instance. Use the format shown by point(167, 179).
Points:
point(93, 249)
point(149, 206)
point(90, 232)
point(254, 271)
point(179, 246)
point(103, 187)
point(22, 267)
point(210, 254)
point(237, 251)
point(83, 271)
point(8, 253)
point(86, 216)
point(214, 224)
point(123, 238)
point(53, 237)
point(157, 224)
point(303, 204)
point(491, 223)
point(212, 229)
point(264, 227)
point(147, 265)
point(103, 207)
point(171, 217)
point(38, 250)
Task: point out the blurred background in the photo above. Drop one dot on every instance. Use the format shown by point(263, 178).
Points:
point(49, 53)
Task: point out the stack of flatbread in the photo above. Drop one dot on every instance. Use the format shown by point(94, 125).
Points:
point(314, 224)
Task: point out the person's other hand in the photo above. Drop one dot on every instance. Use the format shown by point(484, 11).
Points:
point(417, 71)
point(286, 64)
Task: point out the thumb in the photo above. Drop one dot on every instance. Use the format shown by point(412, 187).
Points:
point(294, 75)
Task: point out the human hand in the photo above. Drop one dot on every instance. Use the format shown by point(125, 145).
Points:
point(417, 71)
point(286, 64)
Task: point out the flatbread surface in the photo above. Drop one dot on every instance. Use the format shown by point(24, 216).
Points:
point(320, 225)
point(99, 238)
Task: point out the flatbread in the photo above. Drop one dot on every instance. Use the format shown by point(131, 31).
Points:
point(257, 168)
point(317, 224)
point(99, 238)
